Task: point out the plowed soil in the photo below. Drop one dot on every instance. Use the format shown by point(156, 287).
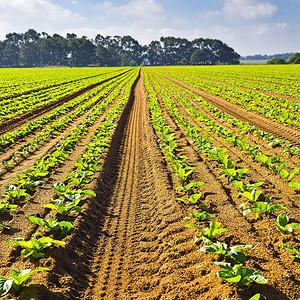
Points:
point(130, 241)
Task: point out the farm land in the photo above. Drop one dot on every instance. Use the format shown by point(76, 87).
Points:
point(150, 183)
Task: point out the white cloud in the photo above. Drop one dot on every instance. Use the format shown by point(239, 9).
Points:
point(249, 9)
point(147, 10)
point(20, 15)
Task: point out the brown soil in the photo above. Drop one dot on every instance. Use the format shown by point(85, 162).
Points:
point(130, 241)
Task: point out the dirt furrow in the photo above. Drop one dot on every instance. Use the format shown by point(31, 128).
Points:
point(259, 121)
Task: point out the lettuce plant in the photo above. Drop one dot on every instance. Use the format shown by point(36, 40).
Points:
point(234, 174)
point(210, 232)
point(283, 225)
point(263, 208)
point(52, 225)
point(188, 188)
point(294, 184)
point(223, 249)
point(35, 246)
point(200, 217)
point(13, 194)
point(18, 279)
point(193, 200)
point(65, 208)
point(240, 275)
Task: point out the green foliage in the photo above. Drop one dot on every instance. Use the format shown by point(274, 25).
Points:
point(52, 225)
point(65, 208)
point(200, 217)
point(234, 174)
point(283, 225)
point(223, 249)
point(263, 208)
point(35, 246)
point(210, 232)
point(277, 61)
point(188, 188)
point(240, 275)
point(294, 184)
point(193, 200)
point(18, 279)
point(14, 195)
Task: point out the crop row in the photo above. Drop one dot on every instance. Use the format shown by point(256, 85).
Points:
point(252, 77)
point(273, 107)
point(15, 82)
point(71, 192)
point(190, 195)
point(255, 201)
point(47, 123)
point(253, 150)
point(242, 127)
point(25, 103)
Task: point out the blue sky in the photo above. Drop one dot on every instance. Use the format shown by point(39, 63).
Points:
point(249, 26)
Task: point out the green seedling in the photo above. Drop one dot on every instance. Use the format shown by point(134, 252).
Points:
point(28, 184)
point(34, 247)
point(18, 279)
point(34, 175)
point(248, 190)
point(283, 225)
point(79, 178)
point(6, 206)
point(7, 165)
point(200, 217)
point(263, 208)
point(294, 184)
point(62, 190)
point(285, 174)
point(240, 275)
point(65, 208)
point(291, 249)
point(223, 249)
point(210, 232)
point(14, 195)
point(52, 225)
point(193, 200)
point(234, 174)
point(188, 188)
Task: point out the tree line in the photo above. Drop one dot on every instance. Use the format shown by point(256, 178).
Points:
point(33, 49)
point(294, 59)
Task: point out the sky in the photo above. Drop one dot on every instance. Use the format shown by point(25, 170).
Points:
point(248, 26)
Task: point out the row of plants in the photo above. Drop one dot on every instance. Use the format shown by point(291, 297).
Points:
point(69, 199)
point(28, 102)
point(29, 180)
point(253, 150)
point(242, 127)
point(269, 106)
point(252, 77)
point(15, 82)
point(55, 128)
point(189, 194)
point(255, 203)
point(8, 138)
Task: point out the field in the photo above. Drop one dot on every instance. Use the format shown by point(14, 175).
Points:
point(150, 183)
